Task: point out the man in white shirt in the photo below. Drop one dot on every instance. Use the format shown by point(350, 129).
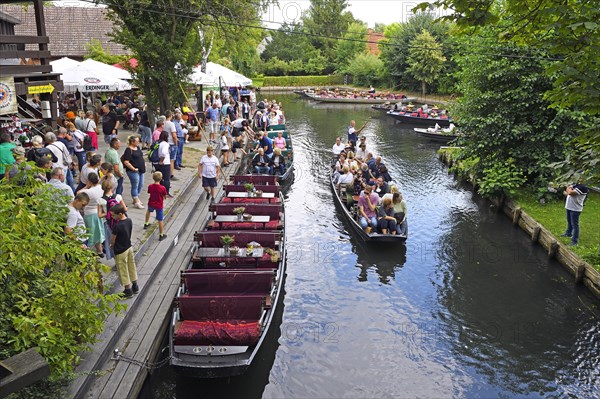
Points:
point(209, 170)
point(170, 128)
point(338, 147)
point(75, 224)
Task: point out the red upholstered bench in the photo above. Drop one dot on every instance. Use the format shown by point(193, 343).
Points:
point(272, 225)
point(223, 282)
point(234, 332)
point(221, 308)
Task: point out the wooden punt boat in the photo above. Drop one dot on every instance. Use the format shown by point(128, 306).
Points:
point(437, 135)
point(287, 153)
point(420, 119)
point(226, 300)
point(358, 100)
point(352, 216)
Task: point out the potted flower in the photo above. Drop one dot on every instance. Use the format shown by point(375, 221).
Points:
point(239, 211)
point(249, 187)
point(227, 240)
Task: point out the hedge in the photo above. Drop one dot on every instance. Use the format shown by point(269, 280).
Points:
point(303, 80)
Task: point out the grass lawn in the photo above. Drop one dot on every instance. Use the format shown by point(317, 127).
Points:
point(552, 215)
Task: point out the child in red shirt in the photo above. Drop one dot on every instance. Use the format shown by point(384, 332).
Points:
point(156, 203)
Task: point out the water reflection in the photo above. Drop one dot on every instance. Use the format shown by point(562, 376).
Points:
point(468, 308)
point(384, 260)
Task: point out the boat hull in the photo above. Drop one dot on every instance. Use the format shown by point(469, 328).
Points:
point(416, 120)
point(359, 232)
point(437, 136)
point(209, 361)
point(344, 100)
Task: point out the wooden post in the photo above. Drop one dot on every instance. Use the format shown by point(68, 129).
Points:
point(40, 23)
point(25, 369)
point(552, 249)
point(579, 273)
point(517, 215)
point(535, 234)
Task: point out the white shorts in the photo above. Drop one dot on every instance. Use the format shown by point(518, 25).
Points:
point(214, 127)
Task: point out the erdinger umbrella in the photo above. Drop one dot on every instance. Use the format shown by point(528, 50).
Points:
point(87, 80)
point(200, 78)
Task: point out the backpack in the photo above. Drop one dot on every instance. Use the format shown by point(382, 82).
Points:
point(87, 143)
point(153, 153)
point(110, 202)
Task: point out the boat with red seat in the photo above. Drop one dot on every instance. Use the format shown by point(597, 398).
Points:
point(227, 295)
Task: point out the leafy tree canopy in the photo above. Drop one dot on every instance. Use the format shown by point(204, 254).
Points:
point(402, 36)
point(356, 44)
point(95, 51)
point(325, 20)
point(511, 133)
point(50, 293)
point(425, 59)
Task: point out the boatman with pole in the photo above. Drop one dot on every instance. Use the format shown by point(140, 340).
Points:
point(353, 133)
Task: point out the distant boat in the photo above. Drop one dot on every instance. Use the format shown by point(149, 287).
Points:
point(444, 135)
point(421, 118)
point(352, 216)
point(358, 100)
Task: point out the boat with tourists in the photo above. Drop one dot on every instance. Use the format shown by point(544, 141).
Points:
point(347, 202)
point(228, 293)
point(281, 164)
point(421, 116)
point(438, 133)
point(359, 98)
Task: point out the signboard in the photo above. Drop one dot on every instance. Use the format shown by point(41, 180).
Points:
point(8, 96)
point(40, 89)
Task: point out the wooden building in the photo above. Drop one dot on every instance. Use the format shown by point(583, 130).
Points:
point(26, 59)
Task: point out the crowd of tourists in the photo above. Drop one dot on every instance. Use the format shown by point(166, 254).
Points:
point(365, 185)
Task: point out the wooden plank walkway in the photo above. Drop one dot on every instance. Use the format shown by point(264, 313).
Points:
point(138, 333)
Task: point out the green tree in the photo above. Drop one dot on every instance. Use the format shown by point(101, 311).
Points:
point(425, 59)
point(165, 40)
point(50, 293)
point(95, 51)
point(510, 132)
point(287, 43)
point(401, 36)
point(567, 32)
point(366, 69)
point(355, 44)
point(326, 20)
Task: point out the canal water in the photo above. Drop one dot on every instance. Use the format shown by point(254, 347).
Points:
point(468, 308)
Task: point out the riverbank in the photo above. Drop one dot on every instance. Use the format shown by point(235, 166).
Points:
point(583, 260)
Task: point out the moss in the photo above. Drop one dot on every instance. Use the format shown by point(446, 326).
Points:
point(552, 215)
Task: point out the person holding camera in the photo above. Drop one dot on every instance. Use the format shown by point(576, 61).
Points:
point(576, 195)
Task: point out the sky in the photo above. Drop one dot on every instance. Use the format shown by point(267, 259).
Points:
point(369, 11)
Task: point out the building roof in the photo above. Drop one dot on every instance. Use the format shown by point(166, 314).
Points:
point(70, 29)
point(9, 19)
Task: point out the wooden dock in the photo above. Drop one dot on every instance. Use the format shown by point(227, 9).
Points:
point(138, 333)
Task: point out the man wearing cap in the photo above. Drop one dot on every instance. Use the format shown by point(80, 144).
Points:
point(18, 153)
point(208, 171)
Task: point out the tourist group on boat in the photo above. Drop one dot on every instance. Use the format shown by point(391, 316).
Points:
point(364, 186)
